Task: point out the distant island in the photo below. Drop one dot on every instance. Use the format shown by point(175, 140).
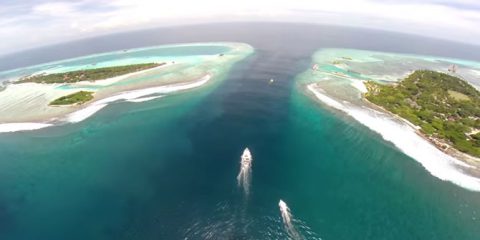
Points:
point(71, 90)
point(444, 107)
point(81, 97)
point(74, 98)
point(88, 74)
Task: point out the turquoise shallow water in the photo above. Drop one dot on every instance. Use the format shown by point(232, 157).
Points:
point(165, 169)
point(187, 54)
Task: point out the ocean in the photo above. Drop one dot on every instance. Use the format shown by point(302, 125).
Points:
point(166, 168)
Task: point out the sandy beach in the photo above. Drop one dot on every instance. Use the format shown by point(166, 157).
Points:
point(446, 166)
point(339, 83)
point(25, 106)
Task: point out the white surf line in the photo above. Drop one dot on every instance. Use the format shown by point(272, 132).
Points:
point(404, 137)
point(137, 100)
point(15, 127)
point(85, 113)
point(94, 107)
point(82, 114)
point(359, 85)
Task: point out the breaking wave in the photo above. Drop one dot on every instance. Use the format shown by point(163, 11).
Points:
point(140, 95)
point(404, 137)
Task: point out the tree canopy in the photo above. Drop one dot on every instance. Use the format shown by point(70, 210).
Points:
point(443, 106)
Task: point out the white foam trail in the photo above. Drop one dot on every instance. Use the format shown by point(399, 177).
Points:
point(133, 96)
point(287, 220)
point(15, 127)
point(244, 176)
point(404, 137)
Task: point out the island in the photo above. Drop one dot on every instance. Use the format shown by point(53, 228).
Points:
point(71, 90)
point(88, 74)
point(415, 102)
point(80, 97)
point(445, 108)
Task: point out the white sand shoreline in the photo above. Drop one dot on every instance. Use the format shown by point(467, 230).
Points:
point(140, 95)
point(26, 106)
point(404, 137)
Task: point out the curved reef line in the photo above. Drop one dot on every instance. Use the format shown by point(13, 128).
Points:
point(133, 96)
point(404, 137)
point(178, 75)
point(343, 92)
point(92, 108)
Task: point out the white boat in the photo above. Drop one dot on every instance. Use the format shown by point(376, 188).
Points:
point(246, 161)
point(271, 81)
point(283, 206)
point(244, 176)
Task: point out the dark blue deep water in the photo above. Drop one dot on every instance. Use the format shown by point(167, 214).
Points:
point(165, 169)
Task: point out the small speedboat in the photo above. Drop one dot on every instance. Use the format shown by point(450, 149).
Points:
point(246, 158)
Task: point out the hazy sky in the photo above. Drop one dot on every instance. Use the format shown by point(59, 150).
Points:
point(31, 23)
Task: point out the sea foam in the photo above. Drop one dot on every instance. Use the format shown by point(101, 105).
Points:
point(404, 137)
point(359, 85)
point(133, 96)
point(85, 113)
point(144, 99)
point(15, 127)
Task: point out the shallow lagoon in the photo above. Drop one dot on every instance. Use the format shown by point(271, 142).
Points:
point(166, 168)
point(27, 105)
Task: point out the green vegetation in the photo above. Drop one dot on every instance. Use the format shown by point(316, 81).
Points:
point(445, 107)
point(74, 98)
point(458, 96)
point(89, 74)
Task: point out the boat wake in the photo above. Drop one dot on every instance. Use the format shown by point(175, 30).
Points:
point(244, 176)
point(287, 221)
